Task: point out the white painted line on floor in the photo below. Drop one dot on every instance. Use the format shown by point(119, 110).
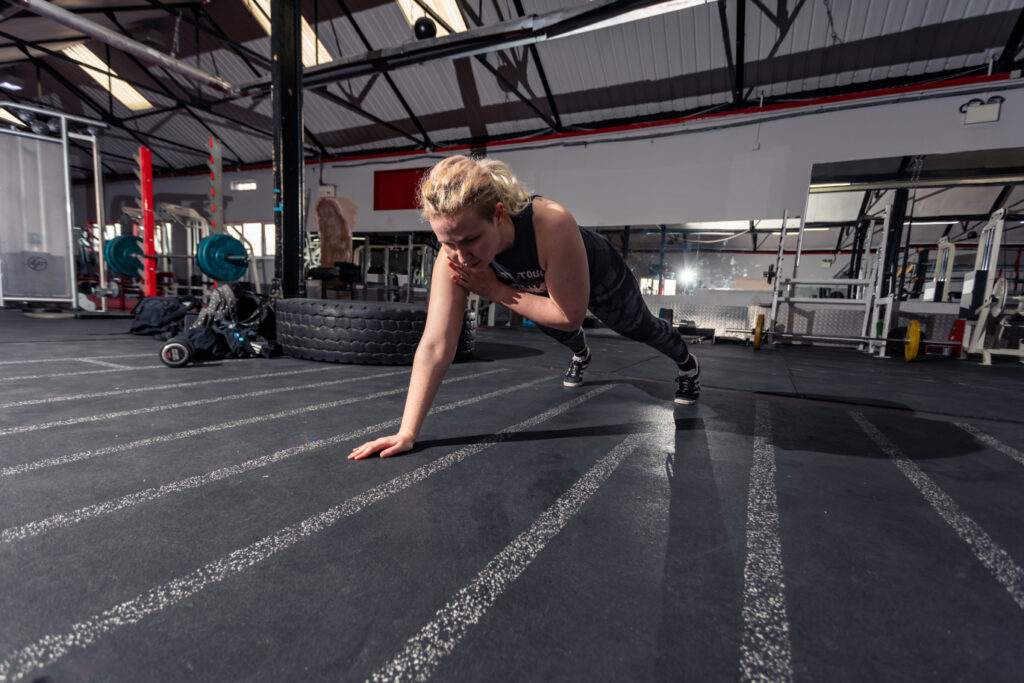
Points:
point(438, 638)
point(189, 433)
point(52, 647)
point(82, 372)
point(157, 387)
point(77, 358)
point(992, 441)
point(765, 652)
point(65, 519)
point(118, 366)
point(988, 552)
point(20, 429)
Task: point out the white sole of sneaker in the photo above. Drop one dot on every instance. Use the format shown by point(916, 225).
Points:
point(570, 384)
point(686, 401)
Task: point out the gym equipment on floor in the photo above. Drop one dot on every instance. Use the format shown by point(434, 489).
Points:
point(341, 331)
point(220, 257)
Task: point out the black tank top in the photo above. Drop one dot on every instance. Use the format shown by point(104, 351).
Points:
point(519, 266)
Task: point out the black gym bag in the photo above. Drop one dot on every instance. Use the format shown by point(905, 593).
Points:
point(235, 323)
point(162, 315)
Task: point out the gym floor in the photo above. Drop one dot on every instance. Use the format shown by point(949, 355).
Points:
point(818, 515)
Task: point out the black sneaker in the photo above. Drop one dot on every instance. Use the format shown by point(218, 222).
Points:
point(688, 381)
point(574, 375)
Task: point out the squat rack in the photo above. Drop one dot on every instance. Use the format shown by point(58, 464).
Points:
point(48, 126)
point(871, 300)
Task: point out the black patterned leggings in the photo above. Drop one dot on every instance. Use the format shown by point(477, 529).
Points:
point(616, 301)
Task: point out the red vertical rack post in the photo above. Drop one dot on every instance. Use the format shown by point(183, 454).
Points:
point(148, 227)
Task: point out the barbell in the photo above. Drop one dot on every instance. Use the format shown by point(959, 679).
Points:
point(911, 342)
point(220, 257)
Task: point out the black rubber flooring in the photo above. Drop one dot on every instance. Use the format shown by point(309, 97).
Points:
point(819, 515)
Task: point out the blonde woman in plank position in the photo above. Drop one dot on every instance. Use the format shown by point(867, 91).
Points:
point(526, 253)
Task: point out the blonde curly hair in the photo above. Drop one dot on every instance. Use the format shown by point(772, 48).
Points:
point(461, 183)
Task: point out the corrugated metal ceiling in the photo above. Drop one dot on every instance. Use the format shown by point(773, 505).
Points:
point(671, 65)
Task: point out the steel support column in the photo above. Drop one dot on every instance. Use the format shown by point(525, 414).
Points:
point(661, 260)
point(285, 48)
point(741, 26)
point(892, 249)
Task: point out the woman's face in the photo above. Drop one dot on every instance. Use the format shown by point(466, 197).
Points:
point(468, 239)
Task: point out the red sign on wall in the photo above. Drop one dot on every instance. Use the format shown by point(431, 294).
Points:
point(396, 190)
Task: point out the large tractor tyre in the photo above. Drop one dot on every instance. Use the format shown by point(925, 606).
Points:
point(372, 333)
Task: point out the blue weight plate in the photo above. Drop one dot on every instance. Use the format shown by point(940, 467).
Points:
point(217, 256)
point(124, 255)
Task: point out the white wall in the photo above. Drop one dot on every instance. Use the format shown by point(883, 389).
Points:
point(755, 170)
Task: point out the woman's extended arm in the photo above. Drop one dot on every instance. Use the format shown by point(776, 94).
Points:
point(433, 357)
point(564, 260)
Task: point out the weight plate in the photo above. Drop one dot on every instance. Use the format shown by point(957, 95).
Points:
point(758, 331)
point(222, 258)
point(176, 353)
point(124, 255)
point(913, 343)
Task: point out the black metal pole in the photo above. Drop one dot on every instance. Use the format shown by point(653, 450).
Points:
point(661, 261)
point(892, 246)
point(741, 29)
point(286, 53)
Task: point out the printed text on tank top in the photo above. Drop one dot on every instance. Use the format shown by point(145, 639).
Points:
point(519, 266)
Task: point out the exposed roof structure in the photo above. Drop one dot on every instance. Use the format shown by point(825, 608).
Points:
point(384, 91)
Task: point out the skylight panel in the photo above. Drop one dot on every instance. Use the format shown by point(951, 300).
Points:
point(446, 9)
point(313, 51)
point(107, 78)
point(8, 117)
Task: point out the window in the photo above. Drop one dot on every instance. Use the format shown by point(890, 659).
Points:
point(243, 185)
point(269, 239)
point(259, 235)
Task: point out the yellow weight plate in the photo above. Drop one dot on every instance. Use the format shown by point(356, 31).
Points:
point(913, 343)
point(758, 329)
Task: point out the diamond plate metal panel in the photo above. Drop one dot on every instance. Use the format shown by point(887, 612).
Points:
point(719, 317)
point(820, 320)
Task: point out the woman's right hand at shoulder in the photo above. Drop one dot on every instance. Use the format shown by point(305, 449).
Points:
point(387, 445)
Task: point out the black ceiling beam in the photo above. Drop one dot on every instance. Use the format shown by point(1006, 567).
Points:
point(1013, 44)
point(134, 60)
point(1000, 198)
point(23, 44)
point(425, 142)
point(161, 90)
point(6, 14)
point(543, 74)
point(723, 20)
point(501, 36)
point(172, 11)
point(232, 45)
point(507, 85)
point(315, 140)
point(511, 87)
point(107, 118)
point(342, 102)
point(741, 28)
point(784, 21)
